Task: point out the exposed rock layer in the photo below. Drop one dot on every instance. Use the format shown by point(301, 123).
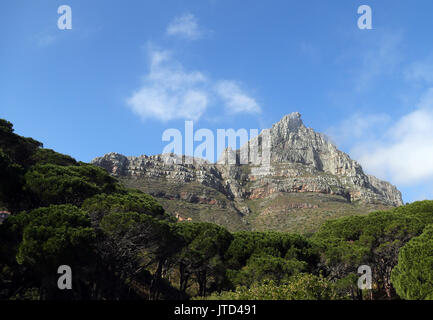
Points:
point(300, 161)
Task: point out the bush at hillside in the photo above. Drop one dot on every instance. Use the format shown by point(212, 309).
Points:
point(413, 275)
point(300, 287)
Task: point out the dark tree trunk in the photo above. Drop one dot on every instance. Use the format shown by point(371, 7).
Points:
point(184, 277)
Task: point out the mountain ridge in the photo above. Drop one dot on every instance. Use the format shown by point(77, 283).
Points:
point(304, 172)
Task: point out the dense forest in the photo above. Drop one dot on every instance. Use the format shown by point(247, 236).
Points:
point(120, 244)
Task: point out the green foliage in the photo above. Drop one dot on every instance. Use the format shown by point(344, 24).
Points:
point(415, 208)
point(121, 244)
point(132, 201)
point(48, 156)
point(18, 148)
point(204, 236)
point(121, 254)
point(128, 244)
point(11, 180)
point(374, 240)
point(18, 155)
point(52, 236)
point(348, 286)
point(353, 239)
point(141, 231)
point(27, 294)
point(54, 184)
point(10, 276)
point(139, 234)
point(302, 286)
point(203, 240)
point(413, 275)
point(278, 244)
point(266, 267)
point(203, 254)
point(256, 256)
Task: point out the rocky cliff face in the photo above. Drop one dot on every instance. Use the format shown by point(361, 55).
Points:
point(295, 162)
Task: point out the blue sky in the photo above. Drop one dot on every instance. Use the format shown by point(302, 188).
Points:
point(128, 70)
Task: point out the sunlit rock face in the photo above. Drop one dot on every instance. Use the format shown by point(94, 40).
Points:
point(294, 160)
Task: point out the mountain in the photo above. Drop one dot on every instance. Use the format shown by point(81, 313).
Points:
point(300, 180)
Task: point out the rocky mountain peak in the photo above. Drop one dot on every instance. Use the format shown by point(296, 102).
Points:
point(299, 162)
point(292, 142)
point(290, 121)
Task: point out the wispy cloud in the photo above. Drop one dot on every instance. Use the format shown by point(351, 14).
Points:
point(381, 58)
point(403, 153)
point(358, 126)
point(235, 99)
point(169, 91)
point(420, 71)
point(44, 39)
point(309, 50)
point(185, 26)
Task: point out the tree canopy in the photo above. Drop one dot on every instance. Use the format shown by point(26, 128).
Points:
point(122, 244)
point(413, 275)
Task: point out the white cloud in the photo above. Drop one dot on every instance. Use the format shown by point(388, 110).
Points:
point(44, 39)
point(421, 71)
point(404, 153)
point(235, 99)
point(185, 26)
point(169, 92)
point(357, 126)
point(381, 58)
point(309, 50)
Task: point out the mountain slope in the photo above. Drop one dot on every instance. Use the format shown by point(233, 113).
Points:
point(305, 181)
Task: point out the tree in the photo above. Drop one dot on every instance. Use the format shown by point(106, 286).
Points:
point(128, 250)
point(18, 149)
point(131, 201)
point(256, 256)
point(131, 245)
point(55, 184)
point(203, 254)
point(374, 240)
point(262, 267)
point(48, 156)
point(54, 236)
point(11, 181)
point(413, 276)
point(303, 286)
